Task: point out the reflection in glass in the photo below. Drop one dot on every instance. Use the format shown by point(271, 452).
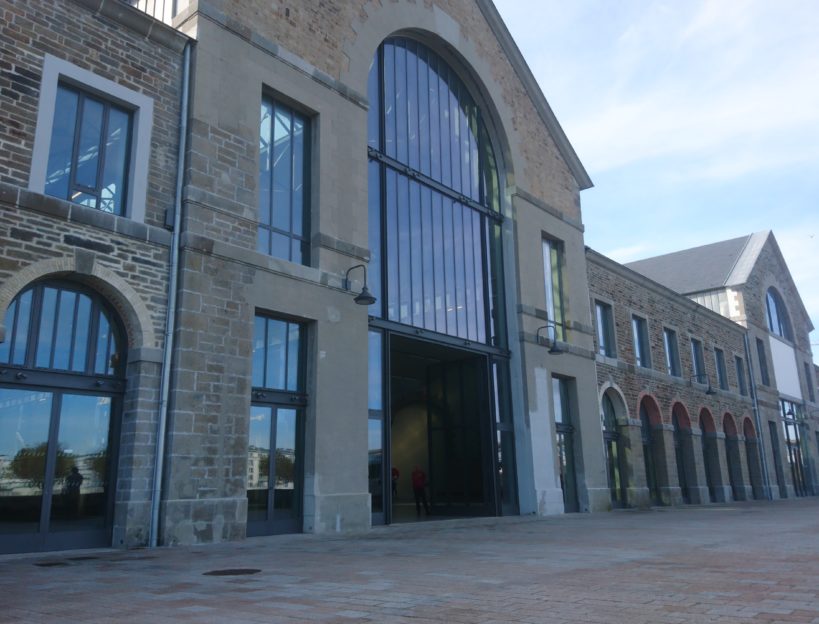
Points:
point(375, 463)
point(258, 462)
point(276, 354)
point(81, 463)
point(24, 424)
point(285, 469)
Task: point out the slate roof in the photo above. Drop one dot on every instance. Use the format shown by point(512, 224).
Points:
point(709, 267)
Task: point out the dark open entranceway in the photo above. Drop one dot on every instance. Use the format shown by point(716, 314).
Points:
point(439, 424)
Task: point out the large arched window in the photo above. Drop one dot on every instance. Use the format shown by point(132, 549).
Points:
point(778, 321)
point(434, 198)
point(61, 383)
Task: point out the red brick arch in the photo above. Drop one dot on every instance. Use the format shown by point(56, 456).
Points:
point(652, 409)
point(748, 429)
point(707, 421)
point(681, 413)
point(729, 425)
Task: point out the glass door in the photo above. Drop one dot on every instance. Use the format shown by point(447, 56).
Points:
point(55, 470)
point(273, 470)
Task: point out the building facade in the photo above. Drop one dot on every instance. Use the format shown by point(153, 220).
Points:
point(270, 269)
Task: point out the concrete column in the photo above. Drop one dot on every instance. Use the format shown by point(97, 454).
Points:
point(744, 487)
point(722, 490)
point(699, 494)
point(694, 473)
point(665, 461)
point(637, 490)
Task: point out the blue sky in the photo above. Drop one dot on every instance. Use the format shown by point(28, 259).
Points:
point(698, 121)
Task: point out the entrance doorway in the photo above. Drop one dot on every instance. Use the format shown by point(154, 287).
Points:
point(439, 432)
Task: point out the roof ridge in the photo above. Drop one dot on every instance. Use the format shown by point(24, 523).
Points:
point(737, 259)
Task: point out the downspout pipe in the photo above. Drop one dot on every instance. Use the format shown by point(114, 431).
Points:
point(755, 401)
point(170, 320)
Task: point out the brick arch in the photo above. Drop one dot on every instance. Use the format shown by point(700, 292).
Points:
point(678, 410)
point(748, 429)
point(652, 409)
point(707, 421)
point(729, 425)
point(618, 400)
point(125, 300)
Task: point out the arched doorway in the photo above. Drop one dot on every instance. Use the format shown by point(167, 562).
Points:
point(683, 451)
point(710, 454)
point(752, 458)
point(614, 450)
point(60, 400)
point(653, 449)
point(435, 225)
point(732, 457)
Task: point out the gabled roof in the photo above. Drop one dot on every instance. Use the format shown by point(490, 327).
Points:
point(704, 268)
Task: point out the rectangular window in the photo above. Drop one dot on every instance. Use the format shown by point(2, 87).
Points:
point(741, 380)
point(283, 183)
point(277, 354)
point(672, 353)
point(764, 377)
point(88, 158)
point(605, 329)
point(722, 375)
point(552, 269)
point(809, 383)
point(697, 361)
point(642, 351)
point(562, 395)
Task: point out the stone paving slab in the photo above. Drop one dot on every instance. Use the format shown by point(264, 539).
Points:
point(744, 562)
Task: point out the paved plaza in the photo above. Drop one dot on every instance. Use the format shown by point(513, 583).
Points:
point(744, 562)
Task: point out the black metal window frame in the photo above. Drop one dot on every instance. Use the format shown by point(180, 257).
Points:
point(777, 314)
point(697, 360)
point(764, 375)
point(742, 381)
point(722, 372)
point(672, 352)
point(74, 187)
point(489, 282)
point(642, 347)
point(266, 224)
point(64, 377)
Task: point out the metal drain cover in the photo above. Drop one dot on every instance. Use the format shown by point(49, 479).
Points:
point(232, 572)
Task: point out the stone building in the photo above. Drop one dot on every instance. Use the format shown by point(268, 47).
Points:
point(188, 354)
point(263, 265)
point(763, 355)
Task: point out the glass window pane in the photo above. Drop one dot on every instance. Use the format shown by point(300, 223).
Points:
point(82, 327)
point(460, 269)
point(401, 100)
point(101, 361)
point(449, 268)
point(259, 324)
point(299, 165)
point(480, 268)
point(404, 257)
point(265, 160)
point(263, 240)
point(65, 325)
point(469, 272)
point(89, 143)
point(293, 353)
point(374, 234)
point(282, 170)
point(412, 106)
point(392, 245)
point(8, 323)
point(276, 354)
point(48, 313)
point(62, 143)
point(389, 99)
point(115, 168)
point(423, 110)
point(438, 262)
point(297, 250)
point(258, 462)
point(21, 331)
point(81, 468)
point(455, 131)
point(434, 120)
point(24, 424)
point(446, 127)
point(284, 496)
point(427, 258)
point(416, 256)
point(375, 463)
point(375, 371)
point(373, 115)
point(280, 246)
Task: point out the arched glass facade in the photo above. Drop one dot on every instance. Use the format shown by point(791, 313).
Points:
point(434, 198)
point(778, 321)
point(60, 390)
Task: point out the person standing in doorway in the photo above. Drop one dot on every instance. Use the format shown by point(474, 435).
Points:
point(419, 489)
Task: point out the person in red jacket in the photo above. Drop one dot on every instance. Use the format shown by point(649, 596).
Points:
point(419, 489)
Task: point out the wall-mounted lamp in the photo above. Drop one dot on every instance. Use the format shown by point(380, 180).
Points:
point(708, 391)
point(554, 348)
point(365, 297)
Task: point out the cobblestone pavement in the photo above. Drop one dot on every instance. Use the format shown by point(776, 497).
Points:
point(744, 562)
